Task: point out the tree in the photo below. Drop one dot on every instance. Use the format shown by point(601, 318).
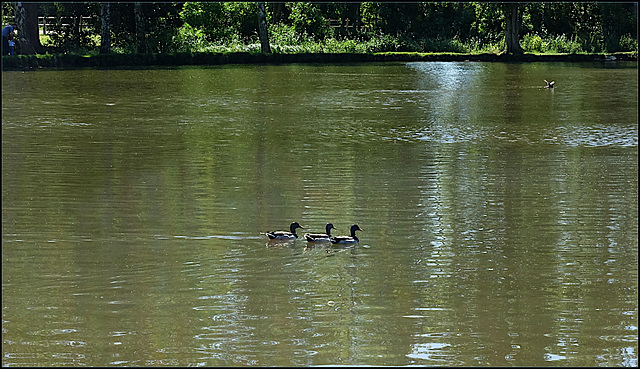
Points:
point(28, 32)
point(105, 30)
point(512, 29)
point(278, 11)
point(262, 28)
point(141, 42)
point(307, 19)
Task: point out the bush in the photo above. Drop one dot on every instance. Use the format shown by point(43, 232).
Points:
point(440, 45)
point(532, 43)
point(191, 39)
point(628, 43)
point(382, 42)
point(307, 19)
point(561, 44)
point(207, 17)
point(476, 45)
point(283, 34)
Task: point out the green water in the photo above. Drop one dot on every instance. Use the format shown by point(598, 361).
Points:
point(500, 218)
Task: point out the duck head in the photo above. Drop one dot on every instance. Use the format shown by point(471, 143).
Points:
point(355, 228)
point(295, 226)
point(329, 227)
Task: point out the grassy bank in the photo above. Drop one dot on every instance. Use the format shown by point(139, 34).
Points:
point(70, 61)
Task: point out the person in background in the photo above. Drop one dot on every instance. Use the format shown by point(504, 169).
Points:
point(7, 34)
point(12, 46)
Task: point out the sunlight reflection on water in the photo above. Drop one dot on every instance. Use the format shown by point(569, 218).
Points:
point(594, 136)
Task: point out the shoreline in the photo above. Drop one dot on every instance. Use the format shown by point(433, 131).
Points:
point(72, 61)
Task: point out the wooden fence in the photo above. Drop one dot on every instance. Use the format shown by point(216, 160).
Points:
point(343, 23)
point(45, 23)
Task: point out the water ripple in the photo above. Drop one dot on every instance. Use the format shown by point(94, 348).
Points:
point(595, 136)
point(599, 135)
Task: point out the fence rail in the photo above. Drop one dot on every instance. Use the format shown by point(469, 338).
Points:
point(47, 22)
point(343, 23)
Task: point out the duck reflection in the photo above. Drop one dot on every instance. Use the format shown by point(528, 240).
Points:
point(280, 243)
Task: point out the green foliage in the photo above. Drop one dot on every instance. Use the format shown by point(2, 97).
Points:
point(560, 44)
point(189, 38)
point(470, 27)
point(370, 15)
point(307, 20)
point(393, 18)
point(383, 42)
point(207, 18)
point(563, 44)
point(73, 25)
point(161, 33)
point(443, 20)
point(283, 34)
point(221, 21)
point(122, 27)
point(487, 25)
point(8, 12)
point(628, 43)
point(243, 19)
point(532, 43)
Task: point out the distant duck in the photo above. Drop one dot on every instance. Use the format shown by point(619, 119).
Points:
point(549, 84)
point(610, 58)
point(283, 235)
point(342, 240)
point(320, 237)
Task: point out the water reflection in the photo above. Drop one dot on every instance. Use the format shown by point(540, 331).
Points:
point(501, 219)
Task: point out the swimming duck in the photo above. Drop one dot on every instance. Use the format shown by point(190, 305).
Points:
point(320, 237)
point(549, 84)
point(345, 239)
point(283, 235)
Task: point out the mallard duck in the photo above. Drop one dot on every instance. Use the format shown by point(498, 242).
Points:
point(320, 237)
point(549, 84)
point(347, 239)
point(283, 235)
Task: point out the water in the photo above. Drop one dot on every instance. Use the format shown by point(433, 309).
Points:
point(500, 218)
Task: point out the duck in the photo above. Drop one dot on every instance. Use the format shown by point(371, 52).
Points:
point(320, 237)
point(549, 84)
point(283, 235)
point(347, 239)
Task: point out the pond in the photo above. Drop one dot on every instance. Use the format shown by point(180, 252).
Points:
point(500, 218)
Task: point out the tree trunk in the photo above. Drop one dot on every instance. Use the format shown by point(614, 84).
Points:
point(635, 14)
point(105, 31)
point(512, 29)
point(28, 32)
point(141, 42)
point(76, 30)
point(262, 28)
point(277, 12)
